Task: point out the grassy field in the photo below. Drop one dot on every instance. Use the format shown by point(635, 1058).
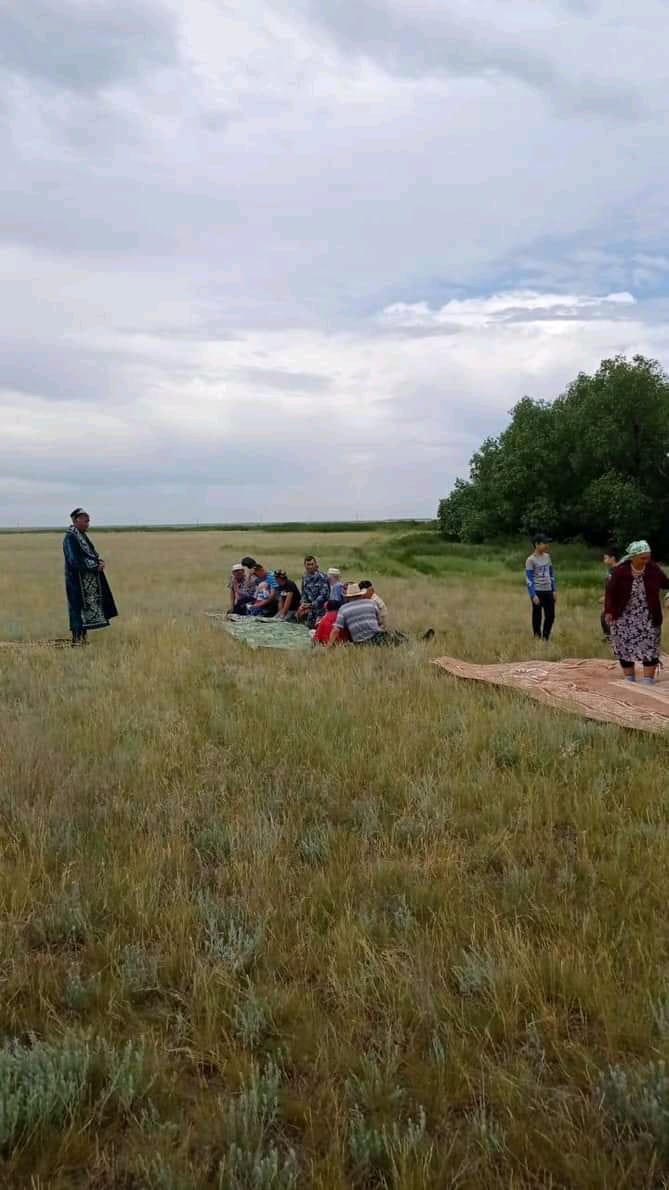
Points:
point(335, 920)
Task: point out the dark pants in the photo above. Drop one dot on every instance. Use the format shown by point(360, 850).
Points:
point(386, 638)
point(75, 608)
point(648, 663)
point(544, 608)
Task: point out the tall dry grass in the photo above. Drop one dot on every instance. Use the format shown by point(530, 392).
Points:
point(326, 921)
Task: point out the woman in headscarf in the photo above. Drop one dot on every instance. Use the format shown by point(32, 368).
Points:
point(89, 598)
point(633, 610)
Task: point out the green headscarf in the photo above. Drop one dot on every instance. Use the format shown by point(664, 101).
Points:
point(636, 548)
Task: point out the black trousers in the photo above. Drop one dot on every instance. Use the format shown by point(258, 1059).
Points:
point(543, 610)
point(648, 663)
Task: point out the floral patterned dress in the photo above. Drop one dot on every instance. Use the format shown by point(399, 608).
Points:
point(634, 636)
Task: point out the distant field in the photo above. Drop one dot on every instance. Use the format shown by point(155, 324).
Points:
point(326, 921)
point(279, 527)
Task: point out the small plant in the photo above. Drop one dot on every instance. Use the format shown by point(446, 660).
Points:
point(476, 972)
point(272, 1170)
point(505, 752)
point(533, 1047)
point(138, 971)
point(251, 1019)
point(40, 1086)
point(314, 846)
point(489, 1134)
point(46, 1085)
point(366, 817)
point(252, 1158)
point(438, 1049)
point(402, 915)
point(228, 937)
point(151, 1122)
point(213, 842)
point(517, 884)
point(377, 1154)
point(123, 1072)
point(660, 1013)
point(64, 922)
point(375, 1087)
point(158, 1175)
point(637, 1102)
point(78, 993)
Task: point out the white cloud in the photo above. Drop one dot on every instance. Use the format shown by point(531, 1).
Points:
point(522, 305)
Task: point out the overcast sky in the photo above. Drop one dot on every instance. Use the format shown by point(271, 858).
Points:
point(288, 259)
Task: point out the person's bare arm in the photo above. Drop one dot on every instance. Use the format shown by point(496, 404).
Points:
point(335, 636)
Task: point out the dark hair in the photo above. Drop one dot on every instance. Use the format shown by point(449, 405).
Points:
point(333, 605)
point(249, 563)
point(365, 584)
point(77, 512)
point(540, 537)
point(613, 551)
point(310, 558)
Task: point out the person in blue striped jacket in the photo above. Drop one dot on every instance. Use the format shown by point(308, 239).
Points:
point(541, 587)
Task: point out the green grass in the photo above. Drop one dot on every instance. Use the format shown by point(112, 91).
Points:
point(330, 921)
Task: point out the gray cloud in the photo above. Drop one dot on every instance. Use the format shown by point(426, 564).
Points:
point(192, 256)
point(433, 39)
point(84, 45)
point(58, 371)
point(289, 382)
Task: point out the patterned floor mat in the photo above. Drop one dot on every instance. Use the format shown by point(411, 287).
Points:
point(264, 634)
point(589, 687)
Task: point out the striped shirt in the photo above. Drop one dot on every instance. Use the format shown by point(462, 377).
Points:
point(361, 617)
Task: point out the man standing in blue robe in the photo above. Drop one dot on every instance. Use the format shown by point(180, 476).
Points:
point(89, 598)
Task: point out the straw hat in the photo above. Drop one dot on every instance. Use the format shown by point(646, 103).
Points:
point(334, 570)
point(238, 566)
point(353, 591)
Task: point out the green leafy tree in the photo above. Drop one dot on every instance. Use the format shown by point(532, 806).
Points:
point(592, 463)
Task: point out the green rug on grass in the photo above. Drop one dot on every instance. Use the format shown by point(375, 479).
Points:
point(264, 634)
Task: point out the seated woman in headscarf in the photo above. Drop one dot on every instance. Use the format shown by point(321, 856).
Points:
point(89, 598)
point(633, 611)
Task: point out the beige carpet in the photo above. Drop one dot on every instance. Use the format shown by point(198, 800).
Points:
point(588, 687)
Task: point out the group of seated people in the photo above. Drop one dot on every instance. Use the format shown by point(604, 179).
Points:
point(333, 611)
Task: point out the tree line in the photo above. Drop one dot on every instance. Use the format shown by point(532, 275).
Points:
point(591, 465)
